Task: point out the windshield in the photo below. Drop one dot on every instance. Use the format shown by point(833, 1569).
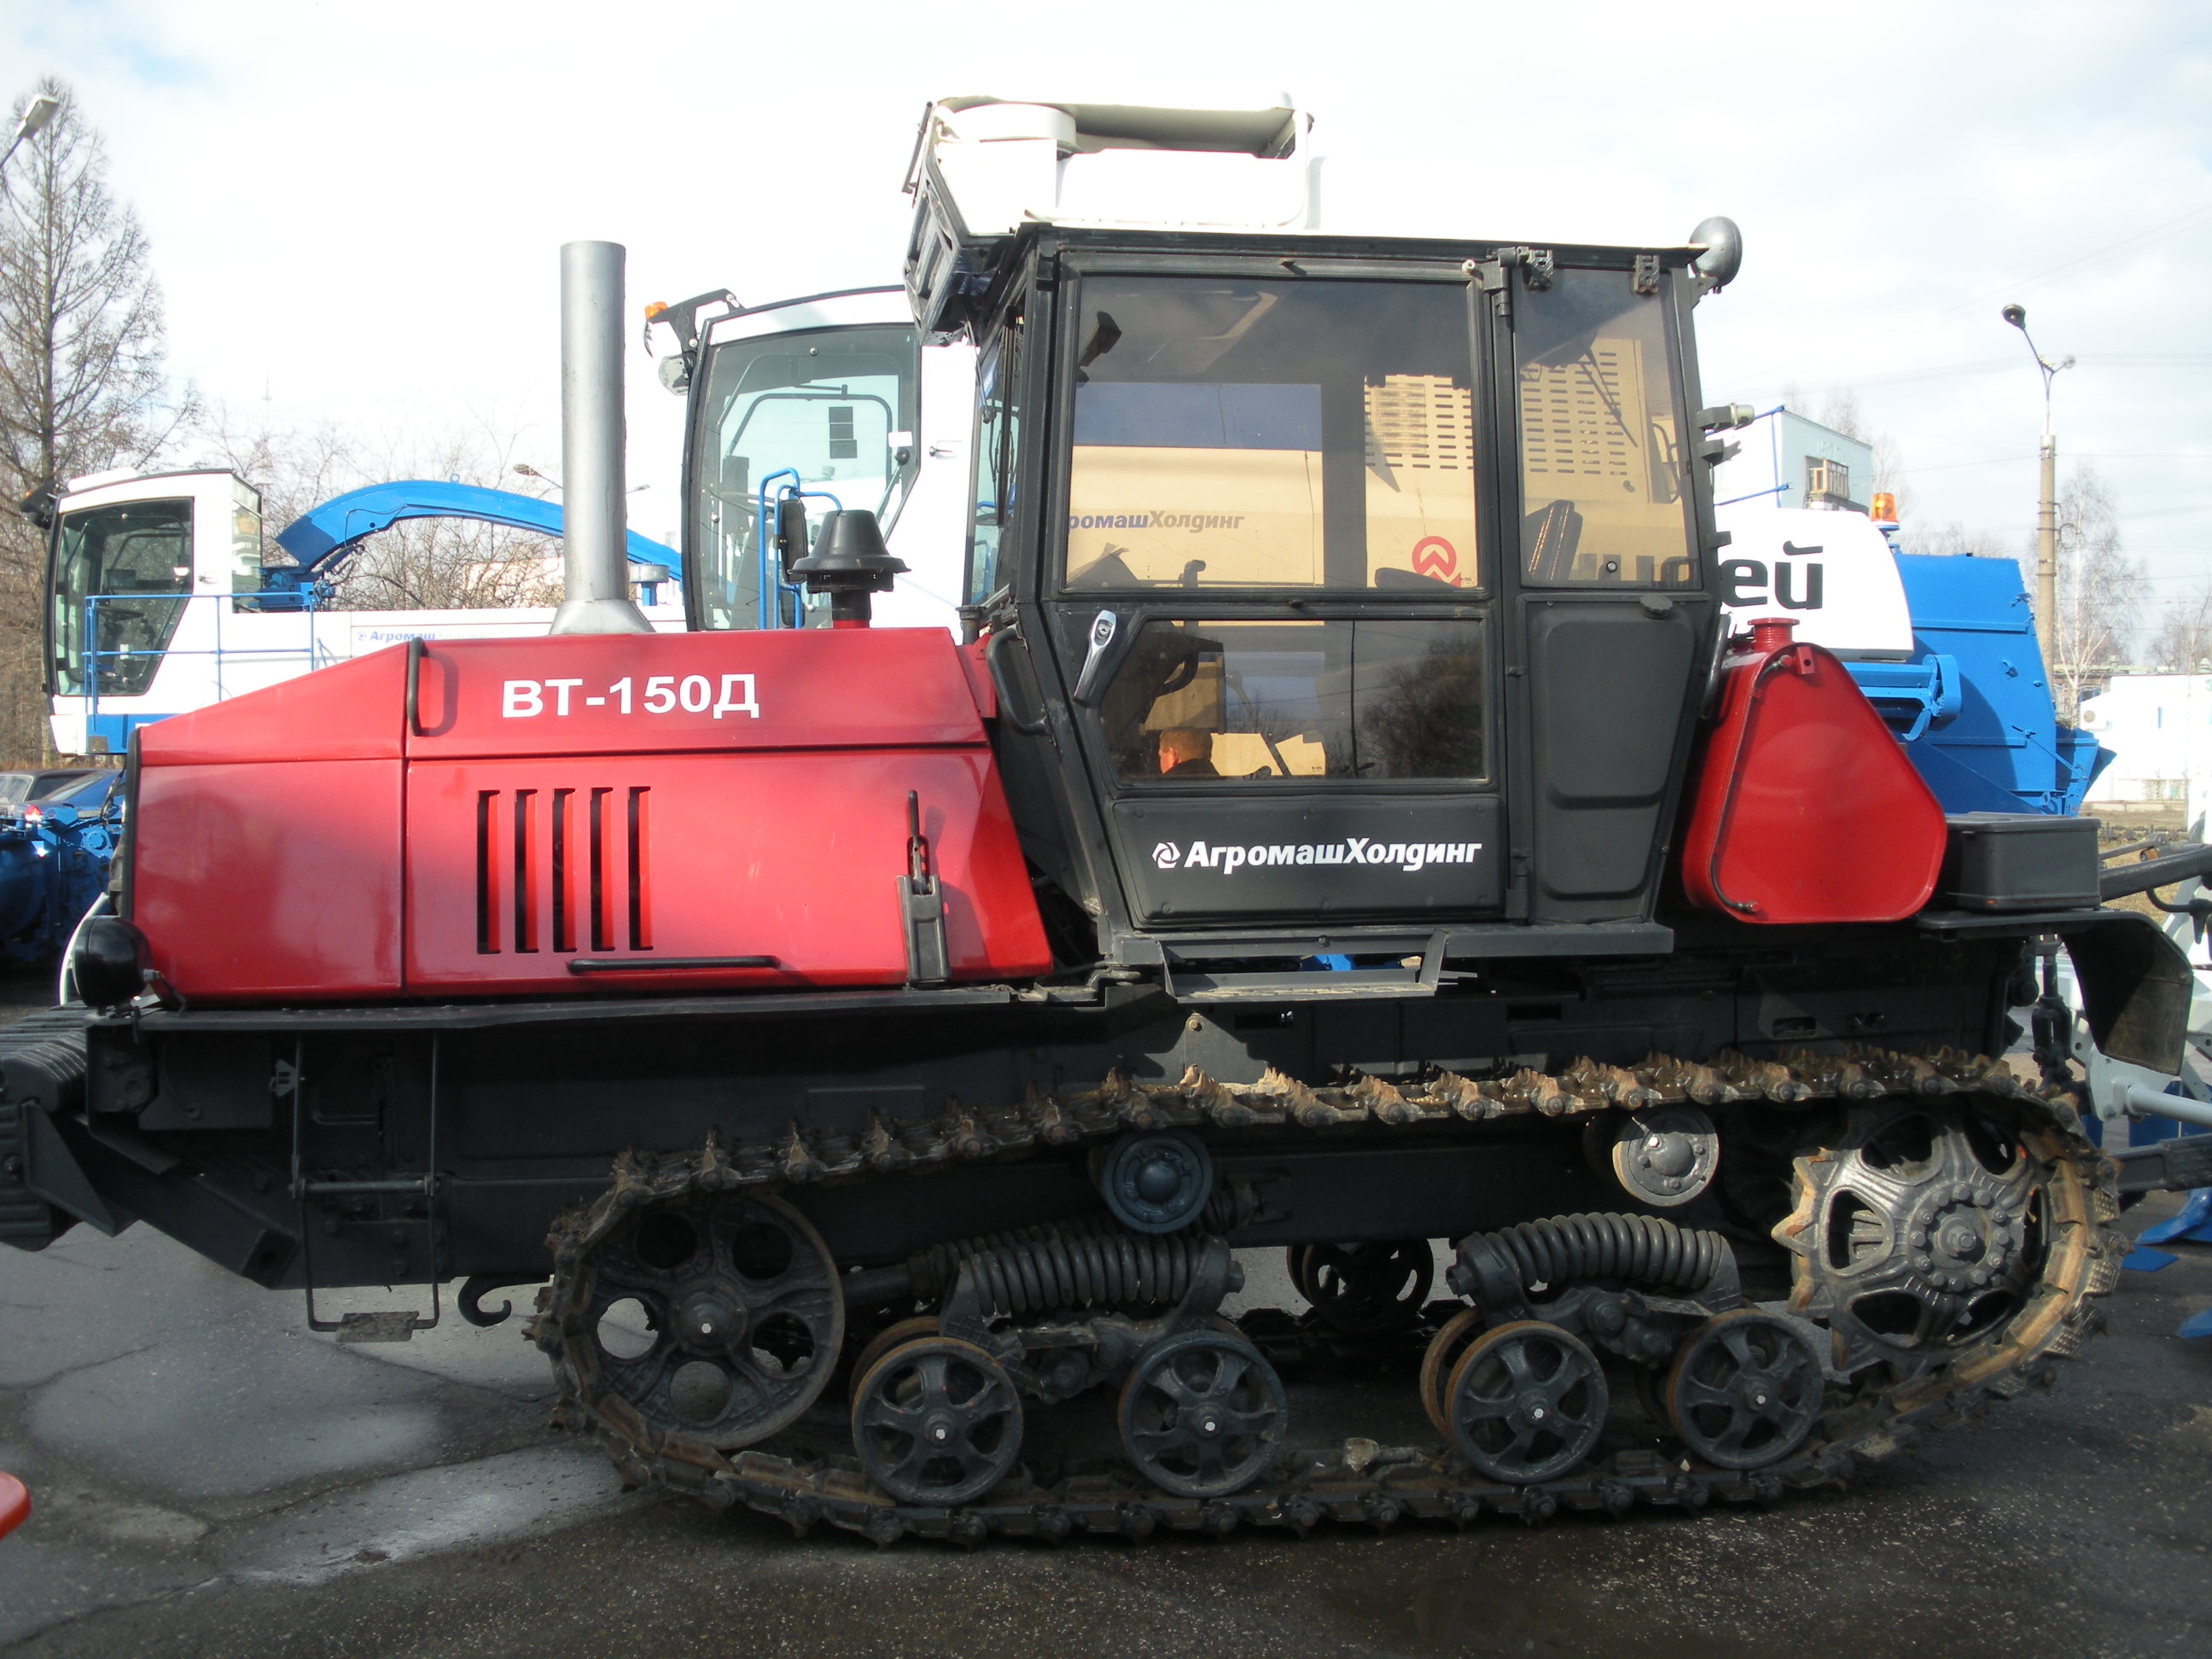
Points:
point(130, 566)
point(838, 407)
point(1272, 435)
point(1600, 451)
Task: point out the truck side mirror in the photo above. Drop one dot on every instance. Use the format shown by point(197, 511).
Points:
point(790, 534)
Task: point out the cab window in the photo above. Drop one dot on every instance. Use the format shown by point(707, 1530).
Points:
point(1601, 462)
point(1373, 699)
point(1272, 435)
point(123, 572)
point(997, 424)
point(833, 411)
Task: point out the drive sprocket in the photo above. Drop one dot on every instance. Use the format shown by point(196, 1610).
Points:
point(1921, 1232)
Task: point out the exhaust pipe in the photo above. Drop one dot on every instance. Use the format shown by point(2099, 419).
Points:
point(594, 517)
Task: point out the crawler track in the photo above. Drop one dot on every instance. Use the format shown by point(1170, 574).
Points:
point(1359, 1483)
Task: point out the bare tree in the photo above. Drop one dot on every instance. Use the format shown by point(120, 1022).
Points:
point(2183, 641)
point(82, 386)
point(294, 468)
point(1953, 540)
point(1839, 412)
point(2100, 592)
point(430, 564)
point(81, 381)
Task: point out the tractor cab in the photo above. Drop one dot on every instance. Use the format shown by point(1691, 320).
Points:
point(140, 568)
point(832, 401)
point(1349, 599)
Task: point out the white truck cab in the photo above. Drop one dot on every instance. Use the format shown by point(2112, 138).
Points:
point(158, 603)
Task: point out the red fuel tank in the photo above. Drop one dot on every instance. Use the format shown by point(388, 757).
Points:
point(588, 813)
point(1803, 808)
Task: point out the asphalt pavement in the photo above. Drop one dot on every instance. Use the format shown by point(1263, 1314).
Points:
point(210, 1478)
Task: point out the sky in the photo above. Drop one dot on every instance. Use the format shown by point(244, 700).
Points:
point(356, 211)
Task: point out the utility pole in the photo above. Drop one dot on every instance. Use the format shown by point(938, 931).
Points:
point(2047, 515)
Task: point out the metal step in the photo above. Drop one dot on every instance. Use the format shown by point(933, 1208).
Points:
point(397, 1325)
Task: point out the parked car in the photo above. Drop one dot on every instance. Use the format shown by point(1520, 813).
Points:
point(16, 788)
point(88, 792)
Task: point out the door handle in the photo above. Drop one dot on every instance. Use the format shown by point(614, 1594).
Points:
point(1101, 659)
point(415, 686)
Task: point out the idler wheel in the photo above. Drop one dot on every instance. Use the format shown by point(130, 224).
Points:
point(1365, 1290)
point(937, 1421)
point(1442, 1353)
point(1526, 1402)
point(1745, 1389)
point(1202, 1415)
point(718, 1317)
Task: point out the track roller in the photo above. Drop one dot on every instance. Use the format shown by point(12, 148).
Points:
point(1202, 1415)
point(1437, 1360)
point(1745, 1389)
point(936, 1421)
point(1364, 1289)
point(892, 1336)
point(1526, 1401)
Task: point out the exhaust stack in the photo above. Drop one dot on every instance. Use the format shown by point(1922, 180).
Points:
point(594, 521)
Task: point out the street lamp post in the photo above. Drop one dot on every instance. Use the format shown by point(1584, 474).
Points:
point(2047, 517)
point(36, 115)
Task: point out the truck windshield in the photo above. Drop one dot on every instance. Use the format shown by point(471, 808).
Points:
point(837, 407)
point(129, 566)
point(1272, 435)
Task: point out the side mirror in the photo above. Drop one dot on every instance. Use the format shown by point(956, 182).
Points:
point(790, 533)
point(39, 507)
point(1723, 252)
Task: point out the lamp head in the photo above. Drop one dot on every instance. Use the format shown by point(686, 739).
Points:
point(2017, 316)
point(1722, 257)
point(42, 110)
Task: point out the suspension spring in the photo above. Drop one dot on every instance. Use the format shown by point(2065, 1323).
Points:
point(1088, 1262)
point(1637, 1249)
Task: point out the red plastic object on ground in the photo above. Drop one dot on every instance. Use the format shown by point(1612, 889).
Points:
point(14, 1504)
point(1804, 808)
point(562, 816)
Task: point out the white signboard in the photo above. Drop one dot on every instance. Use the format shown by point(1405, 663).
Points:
point(1832, 573)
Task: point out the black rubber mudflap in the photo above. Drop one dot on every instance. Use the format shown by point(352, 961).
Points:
point(41, 1070)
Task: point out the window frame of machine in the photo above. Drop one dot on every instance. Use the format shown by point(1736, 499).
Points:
point(1075, 264)
point(1697, 544)
point(702, 424)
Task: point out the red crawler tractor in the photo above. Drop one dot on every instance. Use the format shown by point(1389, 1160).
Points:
point(1347, 825)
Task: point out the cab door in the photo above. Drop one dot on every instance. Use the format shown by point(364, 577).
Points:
point(1265, 598)
point(1612, 605)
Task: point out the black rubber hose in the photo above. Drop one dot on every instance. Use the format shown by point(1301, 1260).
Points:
point(1091, 1262)
point(1637, 1249)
